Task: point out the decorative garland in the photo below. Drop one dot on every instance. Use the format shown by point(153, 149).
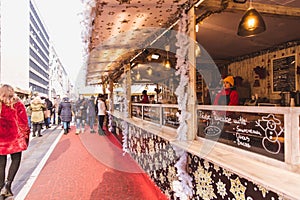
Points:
point(182, 186)
point(86, 23)
point(126, 115)
point(110, 118)
point(224, 5)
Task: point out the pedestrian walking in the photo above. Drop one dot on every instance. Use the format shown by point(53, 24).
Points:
point(101, 112)
point(56, 103)
point(14, 136)
point(28, 111)
point(65, 113)
point(91, 113)
point(37, 107)
point(48, 111)
point(80, 114)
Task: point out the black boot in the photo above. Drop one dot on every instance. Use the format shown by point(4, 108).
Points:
point(66, 131)
point(6, 190)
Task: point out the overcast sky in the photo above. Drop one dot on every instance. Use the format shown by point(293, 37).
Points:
point(63, 24)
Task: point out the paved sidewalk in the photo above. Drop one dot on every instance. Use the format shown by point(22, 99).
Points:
point(32, 157)
point(86, 166)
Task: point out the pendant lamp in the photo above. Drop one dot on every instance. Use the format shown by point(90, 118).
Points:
point(251, 23)
point(167, 62)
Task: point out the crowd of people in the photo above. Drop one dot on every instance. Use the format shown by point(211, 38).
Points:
point(20, 117)
point(42, 113)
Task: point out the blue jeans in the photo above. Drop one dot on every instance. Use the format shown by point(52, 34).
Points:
point(91, 122)
point(80, 123)
point(29, 121)
point(66, 125)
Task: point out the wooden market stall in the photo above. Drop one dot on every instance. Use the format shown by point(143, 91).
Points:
point(190, 148)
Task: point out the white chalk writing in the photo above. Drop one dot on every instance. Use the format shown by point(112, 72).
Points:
point(270, 144)
point(223, 118)
point(243, 140)
point(251, 131)
point(240, 120)
point(212, 130)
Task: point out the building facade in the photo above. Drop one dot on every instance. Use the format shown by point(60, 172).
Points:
point(38, 53)
point(25, 49)
point(59, 82)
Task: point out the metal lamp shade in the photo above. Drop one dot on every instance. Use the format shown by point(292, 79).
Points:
point(251, 24)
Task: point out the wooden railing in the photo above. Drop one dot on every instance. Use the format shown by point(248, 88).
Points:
point(268, 131)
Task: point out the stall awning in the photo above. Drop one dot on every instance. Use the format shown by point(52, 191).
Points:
point(21, 91)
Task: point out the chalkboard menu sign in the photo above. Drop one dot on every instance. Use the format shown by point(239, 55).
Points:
point(284, 74)
point(261, 133)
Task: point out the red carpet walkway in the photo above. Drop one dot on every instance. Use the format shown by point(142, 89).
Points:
point(91, 167)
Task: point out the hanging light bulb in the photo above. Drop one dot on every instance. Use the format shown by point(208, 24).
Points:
point(197, 50)
point(251, 23)
point(149, 71)
point(197, 28)
point(138, 76)
point(167, 62)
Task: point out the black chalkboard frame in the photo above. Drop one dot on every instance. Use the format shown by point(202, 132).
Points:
point(284, 68)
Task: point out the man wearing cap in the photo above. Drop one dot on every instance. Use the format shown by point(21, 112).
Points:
point(227, 96)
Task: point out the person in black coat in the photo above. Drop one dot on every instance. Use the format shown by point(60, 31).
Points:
point(91, 113)
point(49, 106)
point(80, 111)
point(65, 113)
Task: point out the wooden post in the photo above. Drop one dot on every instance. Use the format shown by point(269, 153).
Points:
point(127, 72)
point(111, 95)
point(192, 106)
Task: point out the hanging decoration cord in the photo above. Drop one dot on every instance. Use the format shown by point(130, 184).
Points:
point(224, 5)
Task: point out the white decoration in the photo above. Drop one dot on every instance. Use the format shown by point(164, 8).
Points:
point(124, 123)
point(86, 22)
point(110, 117)
point(183, 186)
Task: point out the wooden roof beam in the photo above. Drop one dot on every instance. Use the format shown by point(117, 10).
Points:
point(262, 8)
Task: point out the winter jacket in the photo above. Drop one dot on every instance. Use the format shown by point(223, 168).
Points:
point(80, 109)
point(65, 110)
point(49, 106)
point(101, 107)
point(14, 129)
point(28, 111)
point(227, 97)
point(91, 109)
point(37, 107)
point(57, 101)
point(145, 99)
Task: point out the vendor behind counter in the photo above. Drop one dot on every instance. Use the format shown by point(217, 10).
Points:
point(228, 95)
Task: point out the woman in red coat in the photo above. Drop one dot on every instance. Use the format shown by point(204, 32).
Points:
point(145, 98)
point(14, 136)
point(227, 96)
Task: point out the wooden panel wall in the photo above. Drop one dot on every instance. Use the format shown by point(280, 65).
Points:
point(245, 69)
